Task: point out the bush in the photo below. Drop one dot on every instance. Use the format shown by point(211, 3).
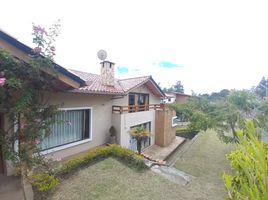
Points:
point(44, 181)
point(250, 162)
point(125, 155)
point(182, 129)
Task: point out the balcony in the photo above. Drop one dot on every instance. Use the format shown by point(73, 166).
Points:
point(137, 108)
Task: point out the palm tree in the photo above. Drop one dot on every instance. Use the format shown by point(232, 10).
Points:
point(140, 134)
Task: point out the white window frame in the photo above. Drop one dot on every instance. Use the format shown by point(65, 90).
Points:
point(55, 149)
point(172, 121)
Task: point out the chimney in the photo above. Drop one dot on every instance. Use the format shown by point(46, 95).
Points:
point(107, 73)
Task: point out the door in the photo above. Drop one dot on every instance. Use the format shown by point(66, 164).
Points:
point(131, 102)
point(1, 155)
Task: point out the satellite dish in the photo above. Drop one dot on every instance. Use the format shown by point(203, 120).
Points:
point(102, 54)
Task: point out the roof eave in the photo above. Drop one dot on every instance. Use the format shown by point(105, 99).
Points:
point(29, 51)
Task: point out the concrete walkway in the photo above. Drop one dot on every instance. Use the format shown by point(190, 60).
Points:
point(162, 153)
point(173, 174)
point(10, 188)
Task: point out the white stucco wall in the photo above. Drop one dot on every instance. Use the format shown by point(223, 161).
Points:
point(123, 101)
point(123, 122)
point(102, 119)
point(101, 115)
point(152, 98)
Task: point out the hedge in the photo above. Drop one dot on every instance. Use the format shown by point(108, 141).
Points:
point(44, 181)
point(124, 155)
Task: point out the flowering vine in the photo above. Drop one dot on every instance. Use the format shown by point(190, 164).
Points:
point(22, 99)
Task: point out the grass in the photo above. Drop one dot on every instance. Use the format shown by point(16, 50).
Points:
point(111, 180)
point(205, 159)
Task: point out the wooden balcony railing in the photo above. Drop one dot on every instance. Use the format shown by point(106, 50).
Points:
point(137, 108)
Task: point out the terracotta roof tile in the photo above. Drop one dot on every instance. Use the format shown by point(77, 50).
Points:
point(128, 84)
point(94, 85)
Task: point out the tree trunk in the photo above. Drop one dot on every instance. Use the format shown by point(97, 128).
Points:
point(26, 171)
point(139, 145)
point(234, 133)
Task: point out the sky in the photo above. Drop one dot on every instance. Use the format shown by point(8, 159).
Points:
point(208, 45)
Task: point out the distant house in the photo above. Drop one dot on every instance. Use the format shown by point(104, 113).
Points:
point(93, 103)
point(172, 97)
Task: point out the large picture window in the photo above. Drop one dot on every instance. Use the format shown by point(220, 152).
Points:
point(70, 126)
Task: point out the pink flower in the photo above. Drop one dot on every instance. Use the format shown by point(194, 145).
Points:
point(2, 82)
point(2, 74)
point(52, 48)
point(39, 29)
point(37, 141)
point(22, 125)
point(37, 50)
point(37, 120)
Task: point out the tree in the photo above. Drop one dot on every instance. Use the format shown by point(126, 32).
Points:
point(223, 115)
point(262, 115)
point(262, 88)
point(197, 111)
point(140, 134)
point(178, 87)
point(232, 112)
point(215, 96)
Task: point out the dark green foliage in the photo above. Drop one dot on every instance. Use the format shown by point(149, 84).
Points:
point(215, 96)
point(21, 99)
point(140, 134)
point(224, 115)
point(262, 88)
point(262, 115)
point(22, 96)
point(178, 87)
point(197, 111)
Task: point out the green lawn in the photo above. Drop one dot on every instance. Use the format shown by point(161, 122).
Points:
point(205, 159)
point(110, 179)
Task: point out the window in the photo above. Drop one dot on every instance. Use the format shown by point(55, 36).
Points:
point(138, 102)
point(145, 143)
point(70, 126)
point(174, 121)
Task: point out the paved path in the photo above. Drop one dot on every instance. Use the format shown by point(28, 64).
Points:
point(162, 153)
point(10, 188)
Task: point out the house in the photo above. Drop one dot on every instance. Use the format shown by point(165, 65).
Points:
point(92, 104)
point(175, 97)
point(169, 98)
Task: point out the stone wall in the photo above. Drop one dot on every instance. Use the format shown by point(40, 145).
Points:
point(107, 73)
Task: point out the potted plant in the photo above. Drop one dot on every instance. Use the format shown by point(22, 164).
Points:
point(140, 134)
point(112, 132)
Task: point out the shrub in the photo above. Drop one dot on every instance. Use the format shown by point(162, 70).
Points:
point(250, 162)
point(124, 155)
point(44, 181)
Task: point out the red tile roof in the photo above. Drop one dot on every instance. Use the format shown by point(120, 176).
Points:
point(94, 85)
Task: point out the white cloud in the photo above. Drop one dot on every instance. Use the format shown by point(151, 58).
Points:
point(221, 44)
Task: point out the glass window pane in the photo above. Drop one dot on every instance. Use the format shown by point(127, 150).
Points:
point(69, 127)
